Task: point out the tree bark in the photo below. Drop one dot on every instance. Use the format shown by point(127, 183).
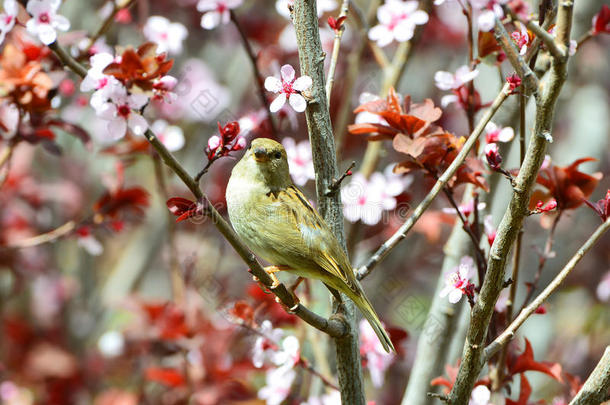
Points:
point(322, 140)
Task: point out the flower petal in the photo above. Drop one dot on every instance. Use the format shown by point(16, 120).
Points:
point(277, 103)
point(302, 83)
point(273, 84)
point(297, 102)
point(287, 72)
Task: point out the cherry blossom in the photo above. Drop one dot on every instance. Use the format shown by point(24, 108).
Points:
point(397, 21)
point(277, 385)
point(88, 241)
point(216, 12)
point(377, 360)
point(457, 282)
point(111, 344)
point(487, 11)
point(8, 18)
point(278, 380)
point(522, 39)
point(366, 199)
point(265, 343)
point(603, 288)
point(170, 135)
point(495, 133)
point(453, 81)
point(492, 154)
point(45, 20)
point(480, 396)
point(300, 160)
point(289, 89)
point(490, 229)
point(167, 35)
point(102, 84)
point(322, 6)
point(162, 89)
point(466, 209)
point(122, 112)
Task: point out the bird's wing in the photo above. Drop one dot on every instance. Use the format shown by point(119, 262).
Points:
point(317, 236)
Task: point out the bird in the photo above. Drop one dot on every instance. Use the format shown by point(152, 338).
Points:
point(277, 223)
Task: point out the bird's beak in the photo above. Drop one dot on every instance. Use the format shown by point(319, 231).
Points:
point(260, 155)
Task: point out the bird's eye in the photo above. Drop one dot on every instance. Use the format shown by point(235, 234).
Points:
point(249, 147)
point(277, 155)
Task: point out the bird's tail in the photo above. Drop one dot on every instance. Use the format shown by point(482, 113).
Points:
point(371, 316)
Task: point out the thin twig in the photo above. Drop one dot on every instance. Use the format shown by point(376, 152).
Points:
point(442, 181)
point(257, 74)
point(526, 312)
point(530, 82)
point(106, 24)
point(330, 80)
point(46, 237)
point(544, 256)
point(334, 327)
point(336, 184)
point(547, 39)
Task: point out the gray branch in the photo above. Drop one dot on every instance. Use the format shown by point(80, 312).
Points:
point(322, 140)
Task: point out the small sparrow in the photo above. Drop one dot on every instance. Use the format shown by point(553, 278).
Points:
point(278, 224)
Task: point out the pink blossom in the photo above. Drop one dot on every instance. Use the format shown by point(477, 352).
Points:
point(102, 84)
point(300, 160)
point(322, 6)
point(514, 81)
point(265, 344)
point(8, 18)
point(171, 136)
point(45, 20)
point(466, 209)
point(9, 117)
point(366, 199)
point(122, 111)
point(490, 229)
point(279, 379)
point(397, 21)
point(216, 12)
point(492, 154)
point(603, 288)
point(88, 241)
point(377, 360)
point(167, 35)
point(494, 133)
point(289, 89)
point(457, 283)
point(453, 81)
point(487, 11)
point(277, 385)
point(162, 89)
point(480, 396)
point(522, 39)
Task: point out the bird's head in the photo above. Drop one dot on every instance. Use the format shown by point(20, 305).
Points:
point(266, 160)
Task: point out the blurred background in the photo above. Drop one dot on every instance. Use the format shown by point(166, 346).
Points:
point(140, 309)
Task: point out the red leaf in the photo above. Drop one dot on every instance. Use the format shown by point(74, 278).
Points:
point(242, 310)
point(182, 208)
point(601, 21)
point(166, 376)
point(526, 362)
point(524, 393)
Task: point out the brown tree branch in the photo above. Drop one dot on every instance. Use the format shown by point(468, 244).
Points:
point(334, 326)
point(546, 98)
point(311, 57)
point(595, 389)
point(526, 312)
point(257, 74)
point(330, 80)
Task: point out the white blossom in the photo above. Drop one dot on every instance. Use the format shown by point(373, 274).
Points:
point(300, 160)
point(216, 12)
point(289, 88)
point(166, 34)
point(397, 21)
point(45, 20)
